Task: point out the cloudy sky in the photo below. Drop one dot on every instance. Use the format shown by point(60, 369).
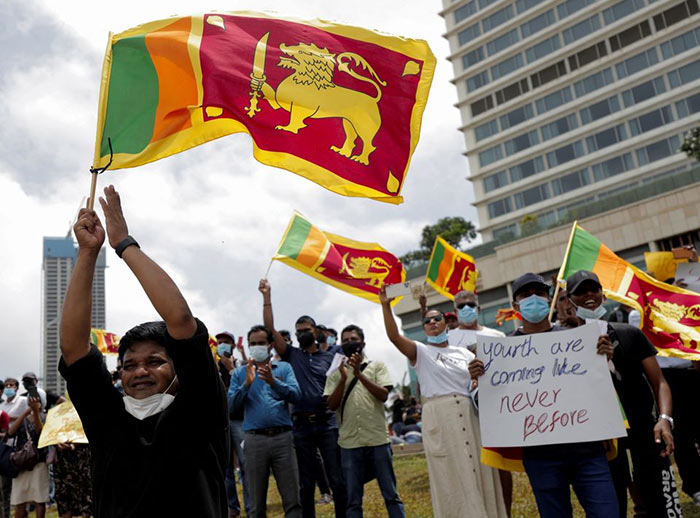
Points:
point(212, 216)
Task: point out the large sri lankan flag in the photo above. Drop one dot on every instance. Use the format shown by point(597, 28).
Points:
point(339, 105)
point(670, 315)
point(352, 266)
point(449, 270)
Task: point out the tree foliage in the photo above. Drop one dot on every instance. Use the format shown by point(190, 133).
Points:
point(691, 144)
point(455, 230)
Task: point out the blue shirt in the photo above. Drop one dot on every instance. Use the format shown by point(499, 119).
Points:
point(265, 405)
point(310, 370)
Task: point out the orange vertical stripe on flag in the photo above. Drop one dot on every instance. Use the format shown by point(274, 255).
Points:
point(609, 268)
point(168, 50)
point(445, 267)
point(313, 248)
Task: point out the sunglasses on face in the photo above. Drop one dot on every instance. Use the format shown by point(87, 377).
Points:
point(462, 304)
point(436, 318)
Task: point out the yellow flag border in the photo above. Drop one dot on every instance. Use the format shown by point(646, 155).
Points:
point(464, 255)
point(413, 48)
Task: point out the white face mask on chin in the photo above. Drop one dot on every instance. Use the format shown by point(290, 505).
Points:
point(151, 405)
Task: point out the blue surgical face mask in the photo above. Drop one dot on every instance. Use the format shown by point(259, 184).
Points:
point(224, 348)
point(259, 353)
point(442, 337)
point(467, 314)
point(9, 393)
point(591, 314)
point(330, 341)
point(534, 308)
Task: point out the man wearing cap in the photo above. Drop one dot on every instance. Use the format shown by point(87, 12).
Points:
point(147, 457)
point(640, 385)
point(226, 342)
point(552, 469)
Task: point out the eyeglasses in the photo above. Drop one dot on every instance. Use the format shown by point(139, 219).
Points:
point(436, 318)
point(462, 304)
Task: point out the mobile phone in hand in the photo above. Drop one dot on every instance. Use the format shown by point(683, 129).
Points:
point(32, 392)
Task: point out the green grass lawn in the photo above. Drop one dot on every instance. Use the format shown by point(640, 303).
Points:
point(412, 481)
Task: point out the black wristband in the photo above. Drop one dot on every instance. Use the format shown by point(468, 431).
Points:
point(124, 244)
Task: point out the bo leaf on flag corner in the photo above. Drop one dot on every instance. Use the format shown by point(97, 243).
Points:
point(355, 267)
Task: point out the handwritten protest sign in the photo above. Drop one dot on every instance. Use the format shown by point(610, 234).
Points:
point(546, 388)
point(62, 425)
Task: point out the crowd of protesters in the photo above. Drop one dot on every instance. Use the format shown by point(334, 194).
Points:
point(174, 430)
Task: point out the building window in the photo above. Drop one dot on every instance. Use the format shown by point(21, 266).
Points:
point(675, 46)
point(581, 29)
point(523, 5)
point(473, 57)
point(465, 12)
point(637, 63)
point(593, 82)
point(470, 33)
point(543, 48)
point(517, 116)
point(486, 130)
point(571, 182)
point(495, 181)
point(612, 167)
point(507, 231)
point(587, 55)
point(491, 155)
point(652, 120)
point(658, 150)
point(600, 109)
point(553, 100)
point(571, 6)
point(547, 74)
point(499, 208)
point(531, 196)
point(684, 75)
point(522, 142)
point(629, 36)
point(688, 106)
point(477, 81)
point(526, 169)
point(643, 91)
point(483, 4)
point(606, 138)
point(502, 42)
point(565, 154)
point(512, 91)
point(621, 9)
point(559, 127)
point(676, 14)
point(538, 23)
point(482, 105)
point(507, 66)
point(497, 18)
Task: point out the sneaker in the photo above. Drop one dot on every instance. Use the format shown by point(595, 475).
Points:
point(325, 499)
point(696, 498)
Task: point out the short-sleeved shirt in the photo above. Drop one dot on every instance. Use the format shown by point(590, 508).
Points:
point(168, 464)
point(16, 407)
point(310, 371)
point(363, 422)
point(442, 370)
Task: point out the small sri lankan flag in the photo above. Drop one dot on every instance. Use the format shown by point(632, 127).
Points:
point(106, 342)
point(449, 270)
point(338, 105)
point(352, 266)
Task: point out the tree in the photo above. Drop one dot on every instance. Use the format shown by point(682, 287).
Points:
point(454, 230)
point(691, 144)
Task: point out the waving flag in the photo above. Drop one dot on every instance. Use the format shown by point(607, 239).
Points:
point(352, 266)
point(339, 105)
point(106, 342)
point(670, 315)
point(449, 270)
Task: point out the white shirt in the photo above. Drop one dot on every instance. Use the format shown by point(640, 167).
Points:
point(442, 370)
point(16, 407)
point(467, 337)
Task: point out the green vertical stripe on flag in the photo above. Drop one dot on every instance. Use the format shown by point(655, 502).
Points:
point(583, 254)
point(295, 238)
point(434, 268)
point(132, 99)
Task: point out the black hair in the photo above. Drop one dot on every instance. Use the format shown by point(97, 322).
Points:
point(285, 333)
point(333, 332)
point(156, 332)
point(10, 379)
point(434, 309)
point(304, 319)
point(351, 328)
point(257, 328)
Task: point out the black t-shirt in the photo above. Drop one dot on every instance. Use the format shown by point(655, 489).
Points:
point(565, 450)
point(632, 387)
point(169, 464)
point(397, 411)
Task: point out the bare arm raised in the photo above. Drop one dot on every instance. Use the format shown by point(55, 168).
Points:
point(159, 287)
point(268, 319)
point(403, 344)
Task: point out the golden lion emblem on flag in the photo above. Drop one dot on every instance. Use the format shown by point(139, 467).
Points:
point(311, 93)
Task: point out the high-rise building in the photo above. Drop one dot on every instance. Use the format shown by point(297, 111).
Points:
point(574, 110)
point(60, 254)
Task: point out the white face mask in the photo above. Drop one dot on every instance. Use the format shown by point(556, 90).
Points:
point(151, 405)
point(259, 353)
